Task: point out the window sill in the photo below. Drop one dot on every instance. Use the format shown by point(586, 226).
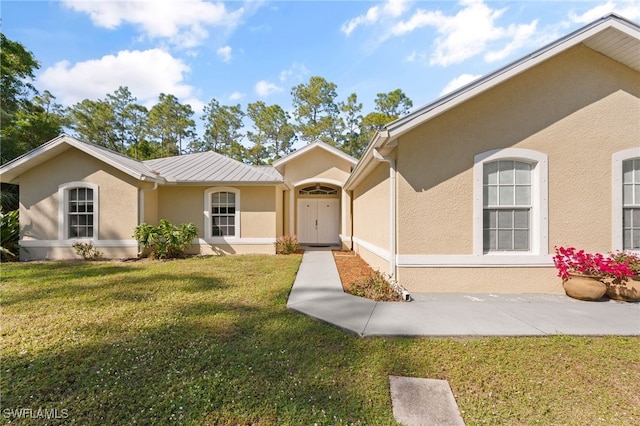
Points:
point(233, 240)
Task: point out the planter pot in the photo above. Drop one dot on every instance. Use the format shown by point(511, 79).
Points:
point(627, 291)
point(584, 287)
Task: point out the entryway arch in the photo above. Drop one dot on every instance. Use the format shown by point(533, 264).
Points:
point(318, 211)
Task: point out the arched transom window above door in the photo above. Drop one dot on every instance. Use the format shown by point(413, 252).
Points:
point(318, 190)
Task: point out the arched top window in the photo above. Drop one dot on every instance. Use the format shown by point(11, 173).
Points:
point(318, 190)
point(222, 213)
point(78, 211)
point(510, 202)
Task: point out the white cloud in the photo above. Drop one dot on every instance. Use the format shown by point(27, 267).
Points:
point(467, 33)
point(236, 96)
point(196, 105)
point(296, 70)
point(265, 88)
point(391, 8)
point(627, 9)
point(183, 23)
point(415, 57)
point(458, 82)
point(224, 53)
point(95, 78)
point(368, 18)
point(519, 34)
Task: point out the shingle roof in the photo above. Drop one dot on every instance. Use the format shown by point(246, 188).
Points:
point(211, 167)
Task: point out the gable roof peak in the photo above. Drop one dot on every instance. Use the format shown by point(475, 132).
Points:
point(315, 144)
point(11, 171)
point(596, 35)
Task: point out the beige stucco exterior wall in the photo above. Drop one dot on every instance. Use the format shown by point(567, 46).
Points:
point(371, 217)
point(481, 280)
point(279, 211)
point(118, 200)
point(287, 229)
point(258, 217)
point(258, 212)
point(578, 108)
point(150, 204)
point(317, 164)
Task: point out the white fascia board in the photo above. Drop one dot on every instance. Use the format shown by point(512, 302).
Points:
point(362, 167)
point(19, 165)
point(310, 146)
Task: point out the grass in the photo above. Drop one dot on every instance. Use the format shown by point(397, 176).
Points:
point(209, 341)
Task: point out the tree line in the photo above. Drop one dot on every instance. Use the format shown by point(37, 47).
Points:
point(258, 134)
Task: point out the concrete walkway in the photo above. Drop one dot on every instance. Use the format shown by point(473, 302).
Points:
point(317, 292)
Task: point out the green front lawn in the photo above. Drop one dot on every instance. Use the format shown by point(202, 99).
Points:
point(210, 341)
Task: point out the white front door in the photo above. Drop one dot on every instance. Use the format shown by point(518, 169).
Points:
point(318, 220)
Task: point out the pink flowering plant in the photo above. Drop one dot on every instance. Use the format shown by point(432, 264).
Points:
point(569, 260)
point(632, 260)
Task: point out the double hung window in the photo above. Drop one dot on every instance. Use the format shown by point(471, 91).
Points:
point(511, 202)
point(78, 211)
point(506, 206)
point(222, 213)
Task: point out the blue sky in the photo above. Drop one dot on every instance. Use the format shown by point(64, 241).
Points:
point(240, 52)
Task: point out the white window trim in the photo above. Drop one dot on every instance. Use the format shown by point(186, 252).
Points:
point(616, 191)
point(207, 216)
point(539, 242)
point(63, 206)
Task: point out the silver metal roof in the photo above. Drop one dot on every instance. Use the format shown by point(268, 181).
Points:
point(200, 168)
point(211, 167)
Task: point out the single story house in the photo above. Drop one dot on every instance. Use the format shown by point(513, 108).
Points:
point(72, 191)
point(469, 193)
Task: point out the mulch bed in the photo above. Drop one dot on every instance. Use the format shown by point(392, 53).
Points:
point(351, 268)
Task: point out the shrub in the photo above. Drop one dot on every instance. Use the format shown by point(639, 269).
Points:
point(286, 244)
point(166, 241)
point(375, 287)
point(87, 251)
point(9, 235)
